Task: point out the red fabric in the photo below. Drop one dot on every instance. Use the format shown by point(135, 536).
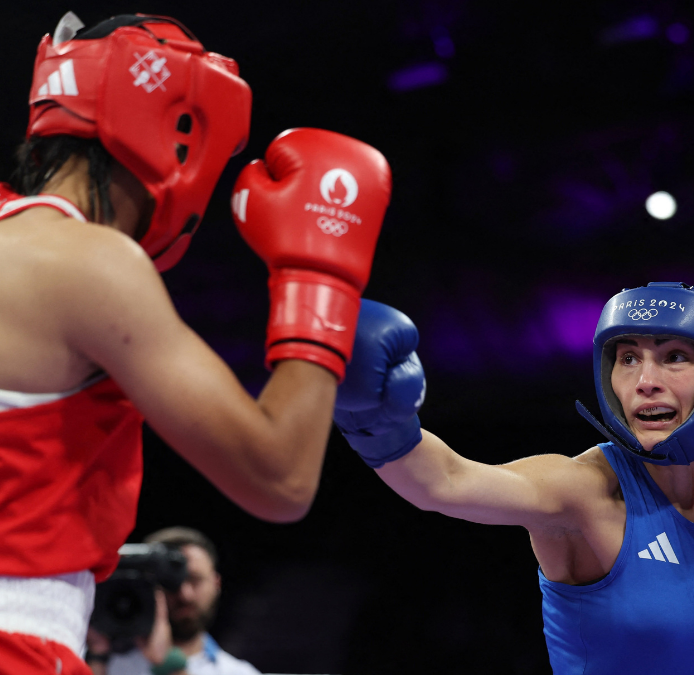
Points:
point(29, 655)
point(70, 477)
point(6, 193)
point(135, 112)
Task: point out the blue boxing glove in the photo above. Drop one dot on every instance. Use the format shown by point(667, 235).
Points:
point(377, 404)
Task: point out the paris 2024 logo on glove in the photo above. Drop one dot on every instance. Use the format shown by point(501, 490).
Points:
point(339, 186)
point(339, 189)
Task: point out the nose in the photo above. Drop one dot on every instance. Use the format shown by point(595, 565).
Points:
point(186, 591)
point(649, 379)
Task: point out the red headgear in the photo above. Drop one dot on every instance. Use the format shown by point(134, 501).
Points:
point(170, 112)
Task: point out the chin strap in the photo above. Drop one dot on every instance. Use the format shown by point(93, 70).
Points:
point(672, 447)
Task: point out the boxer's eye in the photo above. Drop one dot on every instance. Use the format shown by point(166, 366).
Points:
point(628, 359)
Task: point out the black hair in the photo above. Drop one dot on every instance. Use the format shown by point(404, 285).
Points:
point(39, 158)
point(106, 27)
point(176, 537)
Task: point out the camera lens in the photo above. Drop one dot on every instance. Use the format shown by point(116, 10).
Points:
point(125, 606)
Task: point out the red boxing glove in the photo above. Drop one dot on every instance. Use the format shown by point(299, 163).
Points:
point(313, 211)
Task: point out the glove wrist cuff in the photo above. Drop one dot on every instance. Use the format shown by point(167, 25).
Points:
point(379, 450)
point(313, 316)
point(306, 351)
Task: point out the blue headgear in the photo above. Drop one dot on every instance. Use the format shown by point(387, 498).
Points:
point(661, 308)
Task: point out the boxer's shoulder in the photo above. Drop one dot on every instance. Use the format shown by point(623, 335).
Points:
point(593, 461)
point(58, 277)
point(54, 269)
point(40, 246)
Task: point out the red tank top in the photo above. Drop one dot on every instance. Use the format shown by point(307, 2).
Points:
point(70, 473)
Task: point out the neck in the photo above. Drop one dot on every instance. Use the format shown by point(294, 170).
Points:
point(72, 182)
point(192, 646)
point(677, 483)
point(132, 204)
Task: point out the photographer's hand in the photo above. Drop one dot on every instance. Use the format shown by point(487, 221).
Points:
point(157, 644)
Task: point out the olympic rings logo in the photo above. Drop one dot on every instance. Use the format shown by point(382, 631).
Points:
point(645, 314)
point(332, 226)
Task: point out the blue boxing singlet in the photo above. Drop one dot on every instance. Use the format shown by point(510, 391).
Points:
point(639, 619)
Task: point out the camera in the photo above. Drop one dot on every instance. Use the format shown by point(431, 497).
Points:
point(124, 605)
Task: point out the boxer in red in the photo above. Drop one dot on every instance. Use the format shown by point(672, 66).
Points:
point(131, 124)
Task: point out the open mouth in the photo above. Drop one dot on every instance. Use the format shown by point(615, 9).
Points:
point(657, 414)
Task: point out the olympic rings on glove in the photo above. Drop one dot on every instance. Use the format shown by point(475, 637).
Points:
point(645, 314)
point(332, 226)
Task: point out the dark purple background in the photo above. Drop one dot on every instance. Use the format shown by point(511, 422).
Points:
point(524, 139)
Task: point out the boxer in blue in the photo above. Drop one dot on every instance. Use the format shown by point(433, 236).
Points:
point(613, 528)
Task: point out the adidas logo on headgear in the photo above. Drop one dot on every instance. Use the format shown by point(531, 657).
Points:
point(657, 552)
point(61, 81)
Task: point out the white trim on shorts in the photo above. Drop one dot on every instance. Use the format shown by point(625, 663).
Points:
point(54, 608)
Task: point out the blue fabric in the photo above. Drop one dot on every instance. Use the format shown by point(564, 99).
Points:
point(210, 647)
point(639, 619)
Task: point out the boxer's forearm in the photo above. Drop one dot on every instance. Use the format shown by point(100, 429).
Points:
point(298, 402)
point(266, 455)
point(428, 477)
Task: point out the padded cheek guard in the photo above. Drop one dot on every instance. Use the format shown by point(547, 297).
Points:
point(166, 109)
point(663, 309)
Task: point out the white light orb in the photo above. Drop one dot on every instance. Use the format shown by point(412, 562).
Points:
point(661, 205)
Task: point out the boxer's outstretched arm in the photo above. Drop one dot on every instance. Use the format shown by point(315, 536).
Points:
point(376, 412)
point(533, 492)
point(265, 455)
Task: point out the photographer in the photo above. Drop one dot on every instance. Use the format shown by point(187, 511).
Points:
point(178, 643)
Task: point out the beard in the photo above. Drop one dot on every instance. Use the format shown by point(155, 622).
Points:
point(187, 627)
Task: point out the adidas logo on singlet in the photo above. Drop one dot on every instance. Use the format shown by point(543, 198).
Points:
point(658, 551)
point(61, 81)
